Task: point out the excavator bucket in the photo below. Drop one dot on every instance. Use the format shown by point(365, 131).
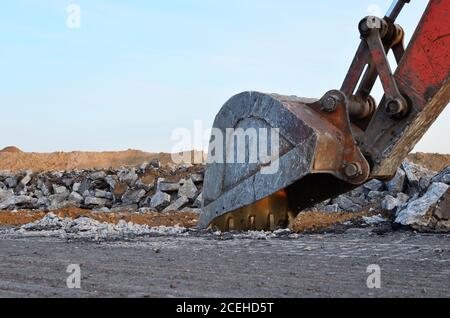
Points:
point(272, 156)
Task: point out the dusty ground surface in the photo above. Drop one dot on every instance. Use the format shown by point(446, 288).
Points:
point(13, 159)
point(333, 265)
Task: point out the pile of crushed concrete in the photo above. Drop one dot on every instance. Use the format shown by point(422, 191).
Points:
point(52, 225)
point(416, 197)
point(150, 187)
point(14, 159)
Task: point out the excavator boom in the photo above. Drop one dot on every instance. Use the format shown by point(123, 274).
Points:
point(272, 156)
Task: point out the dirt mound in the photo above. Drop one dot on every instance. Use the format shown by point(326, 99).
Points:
point(15, 161)
point(431, 161)
point(11, 149)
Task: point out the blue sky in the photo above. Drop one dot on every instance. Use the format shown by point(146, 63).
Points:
point(136, 70)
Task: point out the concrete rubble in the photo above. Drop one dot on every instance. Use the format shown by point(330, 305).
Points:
point(425, 213)
point(415, 197)
point(150, 187)
point(83, 227)
point(374, 220)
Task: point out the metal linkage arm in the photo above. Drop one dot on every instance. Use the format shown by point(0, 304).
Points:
point(423, 79)
point(415, 94)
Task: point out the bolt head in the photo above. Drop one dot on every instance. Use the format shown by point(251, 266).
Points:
point(352, 170)
point(329, 104)
point(393, 107)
